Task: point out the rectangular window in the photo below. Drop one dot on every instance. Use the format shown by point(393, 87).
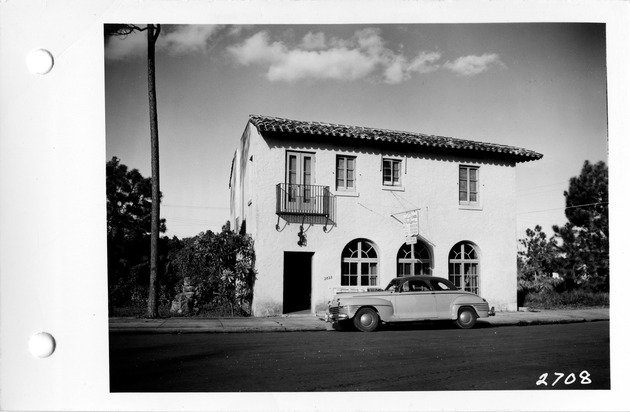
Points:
point(468, 185)
point(346, 166)
point(306, 179)
point(292, 176)
point(373, 273)
point(404, 269)
point(350, 275)
point(391, 172)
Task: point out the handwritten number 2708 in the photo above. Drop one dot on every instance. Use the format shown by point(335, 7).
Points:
point(570, 378)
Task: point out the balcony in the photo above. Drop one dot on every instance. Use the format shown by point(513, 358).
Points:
point(305, 203)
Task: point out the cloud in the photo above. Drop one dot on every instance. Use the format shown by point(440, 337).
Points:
point(316, 56)
point(177, 39)
point(425, 62)
point(313, 59)
point(258, 50)
point(363, 56)
point(188, 38)
point(473, 65)
point(314, 41)
point(400, 69)
point(334, 64)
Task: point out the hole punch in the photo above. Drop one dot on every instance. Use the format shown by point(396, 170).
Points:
point(40, 61)
point(41, 344)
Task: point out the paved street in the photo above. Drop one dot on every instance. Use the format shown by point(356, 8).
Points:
point(414, 358)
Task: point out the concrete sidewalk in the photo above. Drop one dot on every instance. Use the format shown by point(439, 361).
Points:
point(302, 322)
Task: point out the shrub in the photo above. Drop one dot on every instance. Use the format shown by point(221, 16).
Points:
point(137, 311)
point(221, 268)
point(539, 285)
point(551, 299)
point(554, 293)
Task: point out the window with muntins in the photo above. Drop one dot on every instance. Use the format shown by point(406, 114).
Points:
point(463, 267)
point(468, 185)
point(359, 264)
point(299, 179)
point(413, 259)
point(391, 172)
point(346, 167)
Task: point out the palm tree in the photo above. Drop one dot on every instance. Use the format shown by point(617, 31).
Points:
point(153, 31)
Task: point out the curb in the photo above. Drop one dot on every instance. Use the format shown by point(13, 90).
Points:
point(185, 331)
point(279, 326)
point(556, 322)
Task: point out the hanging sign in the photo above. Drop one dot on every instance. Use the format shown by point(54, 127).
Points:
point(411, 225)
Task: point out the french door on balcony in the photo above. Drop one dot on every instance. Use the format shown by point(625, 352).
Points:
point(300, 178)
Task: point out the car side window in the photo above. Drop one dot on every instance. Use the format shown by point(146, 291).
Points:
point(418, 286)
point(437, 285)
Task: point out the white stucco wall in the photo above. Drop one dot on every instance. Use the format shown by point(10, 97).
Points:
point(430, 185)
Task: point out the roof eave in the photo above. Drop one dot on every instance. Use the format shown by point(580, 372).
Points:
point(517, 154)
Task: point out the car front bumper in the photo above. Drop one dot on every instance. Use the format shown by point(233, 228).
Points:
point(333, 318)
point(336, 314)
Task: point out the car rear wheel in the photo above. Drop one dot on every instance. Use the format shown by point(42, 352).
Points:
point(466, 318)
point(366, 320)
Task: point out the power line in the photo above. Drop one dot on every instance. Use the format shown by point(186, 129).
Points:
point(541, 189)
point(564, 208)
point(545, 192)
point(196, 207)
point(566, 182)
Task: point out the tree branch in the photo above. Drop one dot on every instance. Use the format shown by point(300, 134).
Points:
point(122, 29)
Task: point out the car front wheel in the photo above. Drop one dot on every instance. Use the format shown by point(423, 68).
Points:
point(466, 318)
point(366, 320)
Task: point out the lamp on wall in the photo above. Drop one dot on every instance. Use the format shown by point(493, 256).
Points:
point(301, 237)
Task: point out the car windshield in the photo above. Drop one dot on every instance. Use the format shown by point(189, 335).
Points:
point(392, 285)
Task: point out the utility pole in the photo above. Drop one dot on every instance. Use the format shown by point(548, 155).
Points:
point(152, 307)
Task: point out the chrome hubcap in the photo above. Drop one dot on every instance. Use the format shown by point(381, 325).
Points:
point(366, 319)
point(465, 317)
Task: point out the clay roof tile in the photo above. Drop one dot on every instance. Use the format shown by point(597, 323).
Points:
point(282, 125)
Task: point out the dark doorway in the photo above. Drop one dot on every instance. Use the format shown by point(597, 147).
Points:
point(297, 281)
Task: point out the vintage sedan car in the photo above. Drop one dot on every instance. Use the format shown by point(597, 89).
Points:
point(408, 299)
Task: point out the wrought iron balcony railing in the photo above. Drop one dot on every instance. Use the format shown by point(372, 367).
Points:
point(304, 200)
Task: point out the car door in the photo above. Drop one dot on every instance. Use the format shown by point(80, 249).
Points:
point(414, 301)
point(444, 298)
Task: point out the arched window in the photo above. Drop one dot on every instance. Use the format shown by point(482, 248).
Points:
point(463, 267)
point(413, 259)
point(359, 264)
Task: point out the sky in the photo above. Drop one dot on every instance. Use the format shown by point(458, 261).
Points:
point(541, 86)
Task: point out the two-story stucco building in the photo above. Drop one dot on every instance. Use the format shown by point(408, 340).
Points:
point(333, 207)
